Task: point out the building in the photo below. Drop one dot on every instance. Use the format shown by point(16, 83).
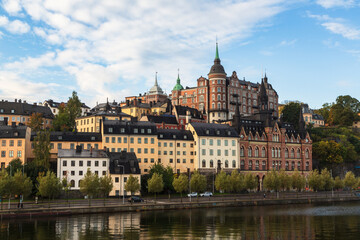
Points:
point(310, 117)
point(19, 112)
point(217, 94)
point(122, 165)
point(136, 108)
point(176, 149)
point(73, 164)
point(216, 147)
point(54, 106)
point(162, 122)
point(14, 144)
point(185, 115)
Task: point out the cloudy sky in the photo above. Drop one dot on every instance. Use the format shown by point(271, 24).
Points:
point(112, 48)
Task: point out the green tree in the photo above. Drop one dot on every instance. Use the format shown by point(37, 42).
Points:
point(315, 181)
point(237, 181)
point(327, 179)
point(197, 182)
point(22, 184)
point(132, 185)
point(105, 186)
point(222, 182)
point(66, 186)
point(89, 185)
point(285, 180)
point(6, 186)
point(73, 108)
point(155, 184)
point(42, 149)
point(349, 180)
point(272, 181)
point(250, 181)
point(36, 122)
point(14, 166)
point(49, 186)
point(181, 184)
point(61, 121)
point(298, 181)
point(338, 183)
point(328, 152)
point(324, 111)
point(167, 175)
point(291, 113)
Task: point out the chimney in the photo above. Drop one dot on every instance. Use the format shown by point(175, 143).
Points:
point(19, 100)
point(78, 148)
point(135, 103)
point(15, 100)
point(13, 124)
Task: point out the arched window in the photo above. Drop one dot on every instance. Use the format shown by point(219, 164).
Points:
point(226, 163)
point(72, 183)
point(292, 153)
point(242, 152)
point(79, 183)
point(219, 97)
point(242, 165)
point(286, 153)
point(250, 165)
point(276, 152)
point(249, 152)
point(249, 137)
point(298, 153)
point(257, 163)
point(279, 153)
point(213, 105)
point(244, 109)
point(286, 165)
point(219, 105)
point(307, 166)
point(298, 165)
point(292, 165)
point(224, 105)
point(307, 153)
point(263, 152)
point(211, 163)
point(233, 163)
point(201, 106)
point(263, 165)
point(272, 152)
point(201, 98)
point(256, 152)
point(203, 163)
point(213, 97)
point(224, 98)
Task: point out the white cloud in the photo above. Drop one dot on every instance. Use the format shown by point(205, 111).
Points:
point(16, 26)
point(11, 6)
point(288, 43)
point(111, 46)
point(336, 3)
point(338, 26)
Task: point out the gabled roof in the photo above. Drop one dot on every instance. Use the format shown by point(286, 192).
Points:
point(168, 119)
point(182, 111)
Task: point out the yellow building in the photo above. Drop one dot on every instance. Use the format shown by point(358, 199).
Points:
point(137, 137)
point(19, 112)
point(13, 144)
point(159, 108)
point(176, 149)
point(92, 123)
point(136, 108)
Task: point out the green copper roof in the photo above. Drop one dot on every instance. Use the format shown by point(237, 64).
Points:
point(217, 52)
point(178, 86)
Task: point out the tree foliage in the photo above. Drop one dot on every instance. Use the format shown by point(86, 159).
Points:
point(181, 184)
point(222, 182)
point(155, 184)
point(285, 180)
point(298, 181)
point(291, 113)
point(89, 185)
point(338, 183)
point(197, 182)
point(132, 184)
point(349, 180)
point(42, 148)
point(250, 181)
point(272, 181)
point(62, 119)
point(328, 152)
point(36, 122)
point(167, 175)
point(327, 179)
point(105, 185)
point(315, 181)
point(237, 181)
point(49, 185)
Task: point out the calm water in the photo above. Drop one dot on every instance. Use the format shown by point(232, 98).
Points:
point(337, 221)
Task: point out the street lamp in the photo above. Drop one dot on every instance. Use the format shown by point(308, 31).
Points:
point(122, 188)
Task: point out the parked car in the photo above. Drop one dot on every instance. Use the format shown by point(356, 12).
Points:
point(193, 194)
point(135, 199)
point(206, 194)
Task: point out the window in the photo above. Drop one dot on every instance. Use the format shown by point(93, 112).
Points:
point(203, 152)
point(145, 160)
point(131, 140)
point(125, 139)
point(96, 163)
point(3, 143)
point(64, 163)
point(219, 142)
point(292, 165)
point(81, 163)
point(233, 143)
point(250, 165)
point(19, 153)
point(73, 163)
point(286, 165)
point(307, 166)
point(3, 154)
point(242, 165)
point(72, 173)
point(307, 153)
point(211, 152)
point(145, 150)
point(152, 140)
point(146, 140)
point(286, 153)
point(19, 143)
point(226, 152)
point(203, 164)
point(298, 153)
point(211, 142)
point(139, 140)
point(242, 152)
point(219, 152)
point(249, 152)
point(80, 173)
point(152, 160)
point(298, 165)
point(233, 164)
point(113, 140)
point(263, 152)
point(116, 179)
point(11, 143)
point(292, 153)
point(104, 173)
point(263, 165)
point(203, 141)
point(139, 150)
point(72, 146)
point(256, 152)
point(226, 142)
point(89, 163)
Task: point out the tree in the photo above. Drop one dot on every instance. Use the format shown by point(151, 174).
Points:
point(167, 175)
point(291, 113)
point(36, 122)
point(61, 121)
point(6, 186)
point(328, 152)
point(324, 111)
point(105, 186)
point(272, 181)
point(89, 185)
point(49, 186)
point(181, 184)
point(132, 185)
point(66, 186)
point(250, 181)
point(222, 182)
point(22, 184)
point(338, 183)
point(315, 181)
point(237, 181)
point(73, 107)
point(197, 182)
point(327, 179)
point(42, 149)
point(14, 166)
point(298, 181)
point(155, 184)
point(349, 180)
point(285, 180)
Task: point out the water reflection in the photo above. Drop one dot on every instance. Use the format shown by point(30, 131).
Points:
point(340, 221)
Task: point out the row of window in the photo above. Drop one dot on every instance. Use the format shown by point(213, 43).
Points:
point(23, 119)
point(275, 152)
point(11, 153)
point(165, 144)
point(72, 146)
point(81, 173)
point(275, 165)
point(211, 152)
point(218, 141)
point(177, 153)
point(171, 160)
point(135, 130)
point(219, 164)
point(125, 140)
point(81, 163)
point(11, 143)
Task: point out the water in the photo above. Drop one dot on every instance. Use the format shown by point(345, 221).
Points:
point(336, 221)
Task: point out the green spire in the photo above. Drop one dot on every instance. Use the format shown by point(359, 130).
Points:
point(217, 52)
point(178, 85)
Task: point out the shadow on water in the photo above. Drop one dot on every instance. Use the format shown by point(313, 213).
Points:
point(336, 221)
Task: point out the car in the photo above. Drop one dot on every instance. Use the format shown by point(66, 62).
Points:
point(135, 199)
point(206, 194)
point(193, 194)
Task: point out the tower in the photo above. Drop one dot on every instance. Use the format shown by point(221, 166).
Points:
point(217, 103)
point(176, 90)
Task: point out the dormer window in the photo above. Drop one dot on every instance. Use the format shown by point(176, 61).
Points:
point(174, 136)
point(16, 134)
point(136, 130)
point(161, 136)
point(110, 130)
point(217, 132)
point(229, 133)
point(149, 130)
point(1, 110)
point(60, 137)
point(122, 130)
point(185, 137)
point(92, 138)
point(207, 132)
point(12, 110)
point(142, 130)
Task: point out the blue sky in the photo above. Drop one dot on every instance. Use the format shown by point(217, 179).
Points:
point(112, 49)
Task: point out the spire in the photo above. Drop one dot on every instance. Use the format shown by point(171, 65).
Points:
point(156, 83)
point(217, 51)
point(265, 78)
point(263, 95)
point(178, 79)
point(178, 85)
point(217, 67)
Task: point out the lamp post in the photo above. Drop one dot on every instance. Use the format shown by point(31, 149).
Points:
point(24, 168)
point(122, 188)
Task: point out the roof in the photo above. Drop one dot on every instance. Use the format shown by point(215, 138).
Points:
point(178, 85)
point(217, 67)
point(21, 108)
point(73, 153)
point(182, 111)
point(122, 127)
point(156, 89)
point(215, 130)
point(168, 119)
point(13, 132)
point(123, 161)
point(175, 134)
point(72, 137)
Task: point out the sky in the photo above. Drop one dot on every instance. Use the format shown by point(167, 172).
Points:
point(310, 50)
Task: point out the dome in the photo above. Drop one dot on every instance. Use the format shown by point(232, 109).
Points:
point(178, 86)
point(217, 67)
point(156, 89)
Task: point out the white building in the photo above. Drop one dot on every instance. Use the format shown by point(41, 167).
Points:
point(74, 163)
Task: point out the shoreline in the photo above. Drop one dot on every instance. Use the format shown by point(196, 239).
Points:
point(66, 211)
